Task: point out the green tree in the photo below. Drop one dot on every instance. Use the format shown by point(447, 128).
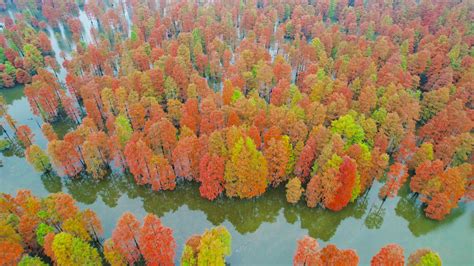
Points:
point(31, 261)
point(430, 259)
point(237, 94)
point(189, 257)
point(69, 250)
point(214, 247)
point(332, 10)
point(10, 69)
point(33, 58)
point(424, 257)
point(349, 130)
point(171, 88)
point(133, 35)
point(41, 231)
point(2, 55)
point(38, 158)
point(123, 129)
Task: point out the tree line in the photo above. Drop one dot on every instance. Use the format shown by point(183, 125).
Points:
point(322, 97)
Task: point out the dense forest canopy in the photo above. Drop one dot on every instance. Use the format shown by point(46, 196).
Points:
point(323, 98)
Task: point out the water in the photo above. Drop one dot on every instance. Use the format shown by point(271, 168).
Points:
point(264, 230)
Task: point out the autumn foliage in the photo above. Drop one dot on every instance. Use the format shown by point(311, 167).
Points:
point(53, 226)
point(210, 248)
point(389, 255)
point(132, 242)
point(299, 89)
point(308, 252)
point(440, 189)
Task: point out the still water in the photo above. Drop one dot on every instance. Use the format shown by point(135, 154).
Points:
point(264, 230)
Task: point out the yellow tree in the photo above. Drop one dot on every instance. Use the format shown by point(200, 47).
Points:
point(69, 250)
point(214, 247)
point(38, 158)
point(246, 172)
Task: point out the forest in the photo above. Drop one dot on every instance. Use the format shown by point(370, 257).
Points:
point(325, 103)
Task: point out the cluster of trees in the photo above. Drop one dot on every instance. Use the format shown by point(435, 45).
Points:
point(321, 97)
point(24, 49)
point(40, 231)
point(132, 243)
point(40, 14)
point(210, 248)
point(52, 229)
point(309, 253)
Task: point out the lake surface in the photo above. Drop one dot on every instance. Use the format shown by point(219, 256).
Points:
point(264, 230)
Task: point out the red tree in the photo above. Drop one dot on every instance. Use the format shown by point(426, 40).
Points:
point(305, 161)
point(138, 156)
point(65, 157)
point(389, 255)
point(161, 174)
point(186, 158)
point(331, 255)
point(307, 252)
point(191, 117)
point(396, 177)
point(44, 43)
point(347, 179)
point(211, 176)
point(126, 237)
point(156, 242)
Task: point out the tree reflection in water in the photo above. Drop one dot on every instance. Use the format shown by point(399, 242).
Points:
point(411, 210)
point(245, 215)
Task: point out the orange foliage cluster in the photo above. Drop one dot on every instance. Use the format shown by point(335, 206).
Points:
point(243, 96)
point(29, 224)
point(308, 253)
